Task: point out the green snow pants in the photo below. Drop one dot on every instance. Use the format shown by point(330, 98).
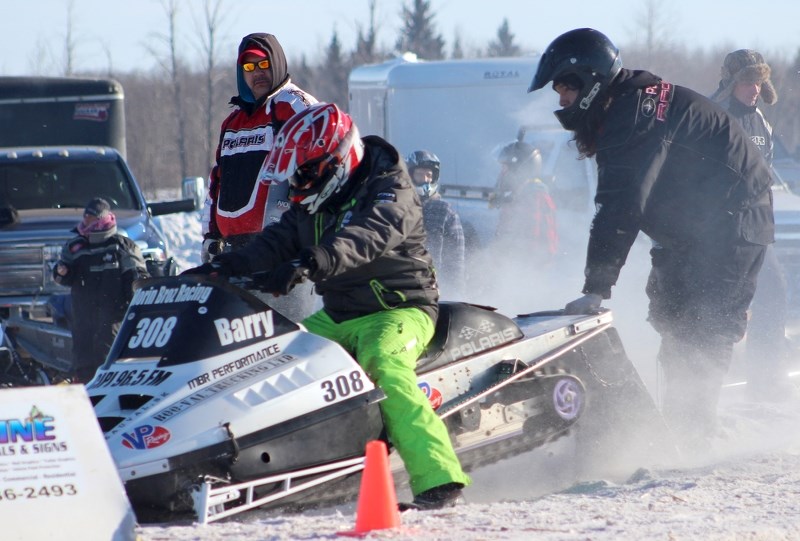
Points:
point(387, 345)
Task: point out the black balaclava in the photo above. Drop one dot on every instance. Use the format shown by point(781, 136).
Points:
point(269, 44)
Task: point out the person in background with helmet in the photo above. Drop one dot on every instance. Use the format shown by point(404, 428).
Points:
point(745, 79)
point(355, 229)
point(680, 169)
point(236, 202)
point(99, 266)
point(527, 222)
point(442, 225)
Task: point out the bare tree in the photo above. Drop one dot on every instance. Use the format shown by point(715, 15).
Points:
point(170, 64)
point(209, 35)
point(656, 21)
point(109, 60)
point(69, 40)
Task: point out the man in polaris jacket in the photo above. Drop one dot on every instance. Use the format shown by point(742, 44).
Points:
point(679, 168)
point(235, 208)
point(355, 229)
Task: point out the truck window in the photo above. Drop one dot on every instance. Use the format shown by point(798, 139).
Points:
point(33, 185)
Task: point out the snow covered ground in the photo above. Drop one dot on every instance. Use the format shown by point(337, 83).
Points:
point(745, 486)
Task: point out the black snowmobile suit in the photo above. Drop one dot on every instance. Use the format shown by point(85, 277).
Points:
point(677, 167)
point(754, 123)
point(101, 279)
point(369, 241)
point(445, 243)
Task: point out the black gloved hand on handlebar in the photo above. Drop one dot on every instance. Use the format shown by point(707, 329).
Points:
point(212, 247)
point(588, 304)
point(282, 279)
point(224, 265)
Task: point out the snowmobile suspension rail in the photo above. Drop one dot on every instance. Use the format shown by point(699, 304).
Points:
point(537, 364)
point(210, 503)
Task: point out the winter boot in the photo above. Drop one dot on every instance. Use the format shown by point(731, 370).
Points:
point(447, 495)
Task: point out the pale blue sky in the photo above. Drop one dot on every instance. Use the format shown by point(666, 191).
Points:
point(32, 31)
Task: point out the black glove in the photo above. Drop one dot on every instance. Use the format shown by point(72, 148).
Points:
point(282, 279)
point(318, 261)
point(208, 269)
point(211, 248)
point(588, 304)
point(224, 265)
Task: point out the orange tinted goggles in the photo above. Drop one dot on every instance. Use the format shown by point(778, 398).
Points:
point(251, 66)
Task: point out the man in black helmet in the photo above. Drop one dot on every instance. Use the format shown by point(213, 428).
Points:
point(679, 168)
point(527, 220)
point(445, 236)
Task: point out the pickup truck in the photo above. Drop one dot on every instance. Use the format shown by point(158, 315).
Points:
point(43, 193)
point(62, 144)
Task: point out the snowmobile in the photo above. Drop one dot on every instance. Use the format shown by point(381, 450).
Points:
point(212, 402)
point(35, 350)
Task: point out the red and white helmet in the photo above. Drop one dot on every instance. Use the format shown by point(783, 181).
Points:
point(316, 151)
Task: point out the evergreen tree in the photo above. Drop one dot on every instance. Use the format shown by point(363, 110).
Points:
point(331, 75)
point(302, 74)
point(419, 34)
point(458, 50)
point(366, 51)
point(504, 44)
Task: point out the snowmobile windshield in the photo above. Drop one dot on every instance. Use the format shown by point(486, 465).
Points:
point(181, 319)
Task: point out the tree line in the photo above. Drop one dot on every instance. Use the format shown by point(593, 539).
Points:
point(173, 112)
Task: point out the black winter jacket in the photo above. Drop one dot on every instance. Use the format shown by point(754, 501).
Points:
point(754, 123)
point(369, 245)
point(676, 166)
point(445, 244)
point(101, 277)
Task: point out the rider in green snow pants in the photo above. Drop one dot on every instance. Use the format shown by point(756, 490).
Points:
point(387, 345)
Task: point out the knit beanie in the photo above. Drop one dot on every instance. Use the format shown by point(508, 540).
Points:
point(103, 227)
point(745, 66)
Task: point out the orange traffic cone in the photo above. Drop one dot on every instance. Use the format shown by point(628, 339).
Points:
point(377, 500)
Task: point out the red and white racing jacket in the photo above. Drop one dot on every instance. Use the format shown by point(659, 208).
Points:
point(236, 200)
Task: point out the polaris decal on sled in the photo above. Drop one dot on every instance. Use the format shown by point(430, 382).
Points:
point(282, 416)
point(481, 338)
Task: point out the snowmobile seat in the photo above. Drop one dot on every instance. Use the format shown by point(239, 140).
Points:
point(463, 330)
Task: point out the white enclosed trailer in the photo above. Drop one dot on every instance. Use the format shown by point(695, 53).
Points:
point(463, 111)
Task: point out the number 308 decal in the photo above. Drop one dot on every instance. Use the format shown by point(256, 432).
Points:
point(152, 332)
point(342, 386)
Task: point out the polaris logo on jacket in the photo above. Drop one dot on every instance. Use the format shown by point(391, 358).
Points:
point(244, 328)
